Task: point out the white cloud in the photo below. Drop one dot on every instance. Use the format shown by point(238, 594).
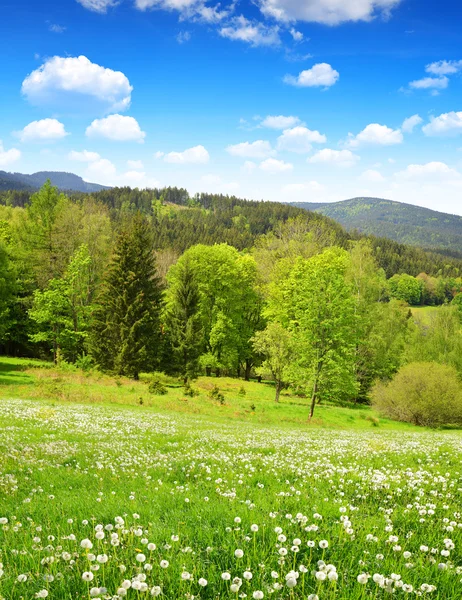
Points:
point(117, 128)
point(55, 28)
point(214, 183)
point(101, 171)
point(183, 37)
point(249, 167)
point(296, 35)
point(376, 134)
point(196, 155)
point(84, 156)
point(7, 157)
point(447, 124)
point(45, 130)
point(253, 33)
point(329, 12)
point(280, 122)
point(436, 83)
point(411, 122)
point(341, 158)
point(320, 75)
point(99, 6)
point(137, 179)
point(302, 189)
point(135, 165)
point(444, 67)
point(159, 154)
point(258, 149)
point(272, 165)
point(188, 9)
point(432, 171)
point(299, 139)
point(59, 80)
point(372, 176)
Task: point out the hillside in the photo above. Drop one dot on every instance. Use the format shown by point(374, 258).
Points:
point(401, 222)
point(64, 181)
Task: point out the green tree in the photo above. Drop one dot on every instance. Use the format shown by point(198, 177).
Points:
point(7, 292)
point(182, 318)
point(407, 288)
point(320, 311)
point(275, 344)
point(62, 310)
point(126, 328)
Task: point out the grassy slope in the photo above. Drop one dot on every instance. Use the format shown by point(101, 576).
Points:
point(27, 379)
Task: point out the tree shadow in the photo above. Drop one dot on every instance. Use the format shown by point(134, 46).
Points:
point(15, 374)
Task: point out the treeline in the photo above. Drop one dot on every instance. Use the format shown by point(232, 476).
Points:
point(117, 287)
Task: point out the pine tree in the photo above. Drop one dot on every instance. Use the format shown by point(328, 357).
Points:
point(126, 327)
point(183, 320)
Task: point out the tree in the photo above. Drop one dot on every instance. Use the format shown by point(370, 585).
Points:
point(62, 310)
point(407, 288)
point(182, 318)
point(319, 310)
point(126, 327)
point(7, 291)
point(422, 393)
point(276, 345)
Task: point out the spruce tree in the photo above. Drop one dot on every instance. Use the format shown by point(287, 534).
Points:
point(126, 327)
point(183, 320)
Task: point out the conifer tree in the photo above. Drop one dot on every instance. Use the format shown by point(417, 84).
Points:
point(183, 319)
point(126, 327)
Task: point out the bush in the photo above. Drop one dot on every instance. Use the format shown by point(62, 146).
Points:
point(157, 388)
point(190, 391)
point(422, 393)
point(216, 395)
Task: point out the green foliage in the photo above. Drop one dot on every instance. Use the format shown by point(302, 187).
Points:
point(190, 391)
point(216, 395)
point(422, 393)
point(126, 329)
point(406, 288)
point(157, 388)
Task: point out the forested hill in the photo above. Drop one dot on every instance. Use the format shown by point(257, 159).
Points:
point(401, 222)
point(180, 221)
point(64, 181)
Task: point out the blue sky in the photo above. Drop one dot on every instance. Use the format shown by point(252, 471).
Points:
point(303, 100)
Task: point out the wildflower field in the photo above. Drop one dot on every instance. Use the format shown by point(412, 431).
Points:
point(123, 502)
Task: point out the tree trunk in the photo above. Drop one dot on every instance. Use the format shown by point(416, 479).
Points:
point(259, 379)
point(278, 390)
point(217, 372)
point(208, 371)
point(314, 396)
point(248, 369)
point(136, 376)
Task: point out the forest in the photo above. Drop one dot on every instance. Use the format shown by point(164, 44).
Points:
point(132, 281)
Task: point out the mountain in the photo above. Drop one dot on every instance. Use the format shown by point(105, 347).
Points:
point(64, 181)
point(398, 221)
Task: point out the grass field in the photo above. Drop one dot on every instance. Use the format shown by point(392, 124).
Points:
point(424, 314)
point(106, 498)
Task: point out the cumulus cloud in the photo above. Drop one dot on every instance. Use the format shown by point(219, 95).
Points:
point(99, 6)
point(328, 12)
point(259, 149)
point(7, 157)
point(302, 189)
point(372, 176)
point(378, 134)
point(320, 75)
point(135, 165)
point(272, 165)
point(83, 156)
point(436, 83)
point(45, 130)
point(444, 67)
point(117, 128)
point(299, 139)
point(340, 158)
point(411, 122)
point(64, 81)
point(253, 33)
point(432, 171)
point(196, 155)
point(446, 124)
point(280, 122)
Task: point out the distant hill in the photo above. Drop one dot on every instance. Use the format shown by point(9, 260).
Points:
point(62, 180)
point(398, 221)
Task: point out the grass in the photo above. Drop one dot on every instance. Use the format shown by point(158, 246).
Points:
point(424, 314)
point(37, 380)
point(104, 498)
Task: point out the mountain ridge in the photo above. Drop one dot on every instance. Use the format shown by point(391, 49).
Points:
point(61, 179)
point(399, 221)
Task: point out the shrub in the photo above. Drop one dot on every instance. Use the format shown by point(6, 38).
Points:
point(190, 391)
point(422, 393)
point(157, 388)
point(242, 391)
point(84, 362)
point(216, 395)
